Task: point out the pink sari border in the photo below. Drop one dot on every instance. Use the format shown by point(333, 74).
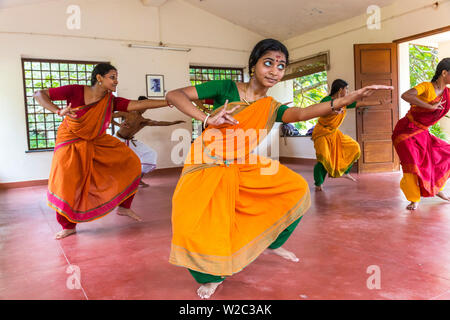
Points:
point(64, 208)
point(65, 143)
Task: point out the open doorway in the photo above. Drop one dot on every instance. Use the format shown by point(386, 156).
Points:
point(418, 58)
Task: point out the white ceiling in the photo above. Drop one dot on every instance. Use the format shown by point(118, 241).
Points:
point(280, 19)
point(283, 19)
point(17, 3)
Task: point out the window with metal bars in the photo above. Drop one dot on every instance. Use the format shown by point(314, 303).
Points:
point(41, 74)
point(200, 74)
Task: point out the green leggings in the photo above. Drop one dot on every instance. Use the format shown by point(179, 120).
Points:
point(282, 238)
point(320, 173)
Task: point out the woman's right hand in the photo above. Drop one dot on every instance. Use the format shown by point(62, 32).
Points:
point(438, 105)
point(223, 116)
point(67, 111)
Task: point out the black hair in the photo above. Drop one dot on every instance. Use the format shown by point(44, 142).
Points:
point(101, 69)
point(444, 64)
point(336, 85)
point(262, 47)
point(142, 98)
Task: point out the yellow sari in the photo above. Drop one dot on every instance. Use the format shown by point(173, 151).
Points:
point(335, 150)
point(229, 204)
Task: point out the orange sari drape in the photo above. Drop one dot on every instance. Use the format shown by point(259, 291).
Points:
point(92, 172)
point(230, 204)
point(335, 150)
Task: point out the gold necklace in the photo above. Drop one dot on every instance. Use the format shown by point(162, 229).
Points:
point(245, 95)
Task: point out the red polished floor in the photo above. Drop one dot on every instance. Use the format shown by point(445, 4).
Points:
point(348, 228)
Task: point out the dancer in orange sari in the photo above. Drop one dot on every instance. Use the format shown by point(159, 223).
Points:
point(92, 172)
point(335, 152)
point(425, 159)
point(230, 205)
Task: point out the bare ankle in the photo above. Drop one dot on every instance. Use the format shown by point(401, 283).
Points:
point(206, 290)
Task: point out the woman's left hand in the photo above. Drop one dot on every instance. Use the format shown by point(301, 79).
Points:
point(223, 116)
point(369, 90)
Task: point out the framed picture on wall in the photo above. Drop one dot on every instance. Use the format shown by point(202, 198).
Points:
point(155, 85)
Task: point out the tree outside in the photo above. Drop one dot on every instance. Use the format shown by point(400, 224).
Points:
point(309, 90)
point(423, 61)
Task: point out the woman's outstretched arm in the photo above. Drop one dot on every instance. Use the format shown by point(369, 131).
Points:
point(136, 105)
point(182, 100)
point(296, 114)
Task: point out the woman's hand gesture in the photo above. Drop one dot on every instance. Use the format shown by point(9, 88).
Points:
point(439, 105)
point(223, 116)
point(369, 90)
point(361, 93)
point(67, 111)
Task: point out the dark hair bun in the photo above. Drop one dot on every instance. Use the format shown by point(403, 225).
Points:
point(336, 85)
point(444, 64)
point(101, 69)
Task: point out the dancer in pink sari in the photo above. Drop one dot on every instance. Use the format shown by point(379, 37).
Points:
point(425, 159)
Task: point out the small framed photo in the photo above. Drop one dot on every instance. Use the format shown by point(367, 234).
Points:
point(155, 85)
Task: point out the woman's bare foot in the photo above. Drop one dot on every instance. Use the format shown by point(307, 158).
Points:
point(319, 188)
point(121, 211)
point(284, 254)
point(412, 205)
point(64, 233)
point(349, 177)
point(206, 290)
point(142, 184)
point(443, 196)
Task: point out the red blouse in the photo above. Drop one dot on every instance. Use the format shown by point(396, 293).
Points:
point(74, 94)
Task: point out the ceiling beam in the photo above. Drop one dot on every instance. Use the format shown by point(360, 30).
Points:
point(153, 3)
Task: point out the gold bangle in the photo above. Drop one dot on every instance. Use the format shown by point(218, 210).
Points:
point(204, 122)
point(333, 109)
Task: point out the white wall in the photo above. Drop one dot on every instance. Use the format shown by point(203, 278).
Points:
point(444, 49)
point(401, 19)
point(444, 52)
point(107, 26)
point(298, 147)
point(404, 82)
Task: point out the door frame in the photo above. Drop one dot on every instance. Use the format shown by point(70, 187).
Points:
point(395, 110)
point(402, 40)
point(422, 35)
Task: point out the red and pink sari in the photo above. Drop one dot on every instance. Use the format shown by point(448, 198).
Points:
point(421, 153)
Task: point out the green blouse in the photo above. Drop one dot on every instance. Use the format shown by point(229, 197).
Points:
point(350, 106)
point(222, 90)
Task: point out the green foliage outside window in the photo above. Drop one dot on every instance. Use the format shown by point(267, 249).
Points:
point(309, 90)
point(422, 65)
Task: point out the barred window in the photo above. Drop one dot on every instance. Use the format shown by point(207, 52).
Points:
point(200, 74)
point(44, 74)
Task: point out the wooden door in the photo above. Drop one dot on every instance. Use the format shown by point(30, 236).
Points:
point(377, 64)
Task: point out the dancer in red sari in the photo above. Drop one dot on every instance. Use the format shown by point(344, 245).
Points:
point(92, 172)
point(425, 159)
